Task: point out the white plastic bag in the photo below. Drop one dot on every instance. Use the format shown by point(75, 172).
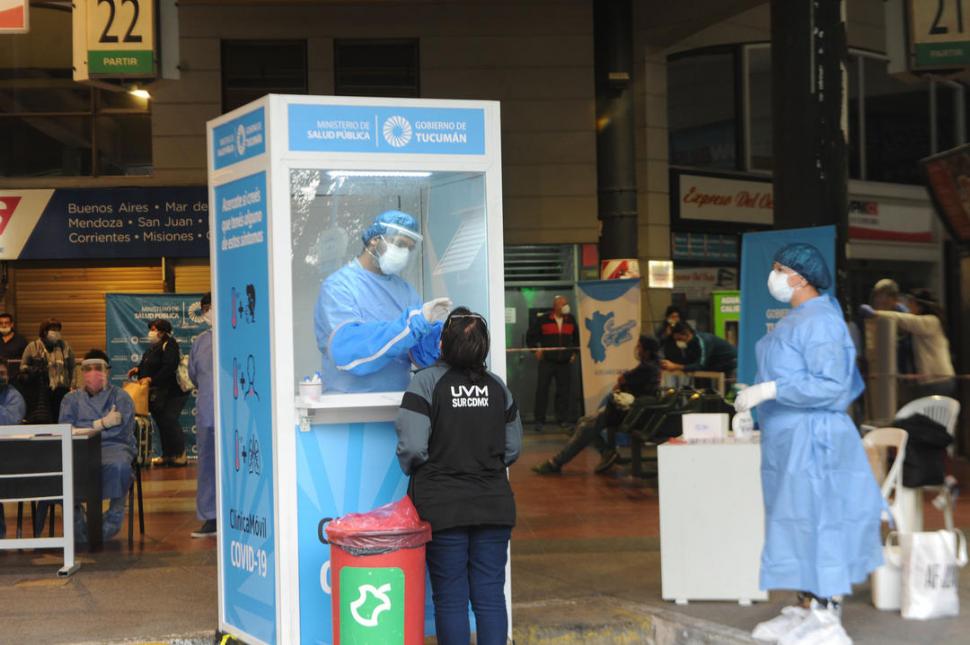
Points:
point(887, 579)
point(931, 562)
point(182, 374)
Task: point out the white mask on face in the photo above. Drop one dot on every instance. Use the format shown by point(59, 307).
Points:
point(681, 344)
point(5, 330)
point(153, 337)
point(53, 336)
point(207, 317)
point(565, 310)
point(779, 288)
point(393, 260)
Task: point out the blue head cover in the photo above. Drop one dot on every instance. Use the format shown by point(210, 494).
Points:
point(393, 223)
point(808, 262)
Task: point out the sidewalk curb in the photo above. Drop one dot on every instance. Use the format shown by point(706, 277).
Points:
point(609, 620)
point(198, 638)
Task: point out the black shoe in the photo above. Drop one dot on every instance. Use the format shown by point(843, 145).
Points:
point(208, 529)
point(547, 468)
point(607, 461)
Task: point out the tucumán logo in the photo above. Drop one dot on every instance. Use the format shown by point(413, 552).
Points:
point(397, 131)
point(8, 204)
point(241, 140)
point(469, 396)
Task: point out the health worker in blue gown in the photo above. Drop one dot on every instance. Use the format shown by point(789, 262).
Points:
point(107, 408)
point(822, 504)
point(370, 323)
point(200, 371)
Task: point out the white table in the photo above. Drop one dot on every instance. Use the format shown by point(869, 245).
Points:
point(711, 521)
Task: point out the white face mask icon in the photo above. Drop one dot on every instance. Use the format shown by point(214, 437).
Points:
point(681, 344)
point(779, 288)
point(393, 260)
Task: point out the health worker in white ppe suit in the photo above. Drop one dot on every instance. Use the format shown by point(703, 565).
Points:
point(370, 323)
point(822, 503)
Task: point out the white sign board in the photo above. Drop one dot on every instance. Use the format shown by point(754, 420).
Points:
point(723, 199)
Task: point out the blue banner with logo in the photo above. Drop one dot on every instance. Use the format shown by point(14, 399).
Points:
point(609, 327)
point(242, 138)
point(95, 223)
point(759, 311)
point(245, 408)
point(370, 128)
point(126, 320)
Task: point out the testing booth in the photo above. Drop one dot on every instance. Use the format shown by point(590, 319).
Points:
point(294, 184)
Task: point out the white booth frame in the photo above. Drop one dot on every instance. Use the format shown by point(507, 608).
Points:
point(278, 161)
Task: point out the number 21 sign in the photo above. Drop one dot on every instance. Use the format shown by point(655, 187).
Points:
point(940, 33)
point(119, 37)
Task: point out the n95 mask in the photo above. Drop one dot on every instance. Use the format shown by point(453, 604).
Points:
point(393, 260)
point(779, 288)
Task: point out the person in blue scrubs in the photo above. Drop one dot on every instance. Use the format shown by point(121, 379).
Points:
point(12, 410)
point(107, 408)
point(822, 504)
point(370, 323)
point(200, 371)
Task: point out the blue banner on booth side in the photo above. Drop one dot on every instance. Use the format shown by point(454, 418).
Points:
point(126, 320)
point(245, 424)
point(759, 311)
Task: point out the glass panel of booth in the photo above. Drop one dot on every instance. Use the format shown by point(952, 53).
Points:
point(369, 248)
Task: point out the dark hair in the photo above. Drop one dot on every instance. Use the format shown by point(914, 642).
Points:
point(681, 328)
point(161, 325)
point(47, 325)
point(465, 342)
point(4, 314)
point(97, 353)
point(649, 347)
point(3, 362)
point(673, 309)
point(928, 303)
point(206, 299)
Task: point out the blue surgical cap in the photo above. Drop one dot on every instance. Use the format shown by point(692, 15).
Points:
point(808, 262)
point(393, 222)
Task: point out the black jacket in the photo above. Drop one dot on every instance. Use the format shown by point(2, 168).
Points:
point(545, 332)
point(925, 449)
point(160, 362)
point(455, 439)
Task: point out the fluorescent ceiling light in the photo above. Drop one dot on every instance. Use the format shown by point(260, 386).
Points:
point(377, 173)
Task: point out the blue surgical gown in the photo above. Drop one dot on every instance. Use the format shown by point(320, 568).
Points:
point(369, 329)
point(12, 407)
point(200, 371)
point(822, 503)
point(81, 410)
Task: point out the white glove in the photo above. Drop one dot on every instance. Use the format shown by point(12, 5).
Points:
point(109, 420)
point(437, 310)
point(623, 400)
point(750, 397)
point(742, 424)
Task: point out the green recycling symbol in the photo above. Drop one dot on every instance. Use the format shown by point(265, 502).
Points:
point(371, 606)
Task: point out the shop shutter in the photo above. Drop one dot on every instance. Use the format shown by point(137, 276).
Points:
point(75, 296)
point(192, 276)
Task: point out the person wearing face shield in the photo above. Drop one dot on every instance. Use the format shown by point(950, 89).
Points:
point(165, 397)
point(105, 407)
point(370, 324)
point(822, 503)
point(200, 371)
point(47, 370)
point(12, 410)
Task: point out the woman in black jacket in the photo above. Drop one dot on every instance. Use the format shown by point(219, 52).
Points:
point(458, 430)
point(158, 367)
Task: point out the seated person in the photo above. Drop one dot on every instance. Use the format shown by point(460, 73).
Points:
point(698, 351)
point(12, 409)
point(369, 322)
point(643, 379)
point(107, 408)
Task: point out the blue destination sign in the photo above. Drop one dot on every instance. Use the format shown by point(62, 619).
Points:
point(402, 130)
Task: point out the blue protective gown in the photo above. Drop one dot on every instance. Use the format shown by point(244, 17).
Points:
point(12, 407)
point(369, 329)
point(822, 503)
point(81, 410)
point(200, 371)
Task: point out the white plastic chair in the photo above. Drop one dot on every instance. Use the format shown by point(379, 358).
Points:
point(881, 439)
point(946, 412)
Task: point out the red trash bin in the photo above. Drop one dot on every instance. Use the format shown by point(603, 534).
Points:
point(377, 575)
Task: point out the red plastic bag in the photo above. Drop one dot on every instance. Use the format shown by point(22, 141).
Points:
point(386, 528)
